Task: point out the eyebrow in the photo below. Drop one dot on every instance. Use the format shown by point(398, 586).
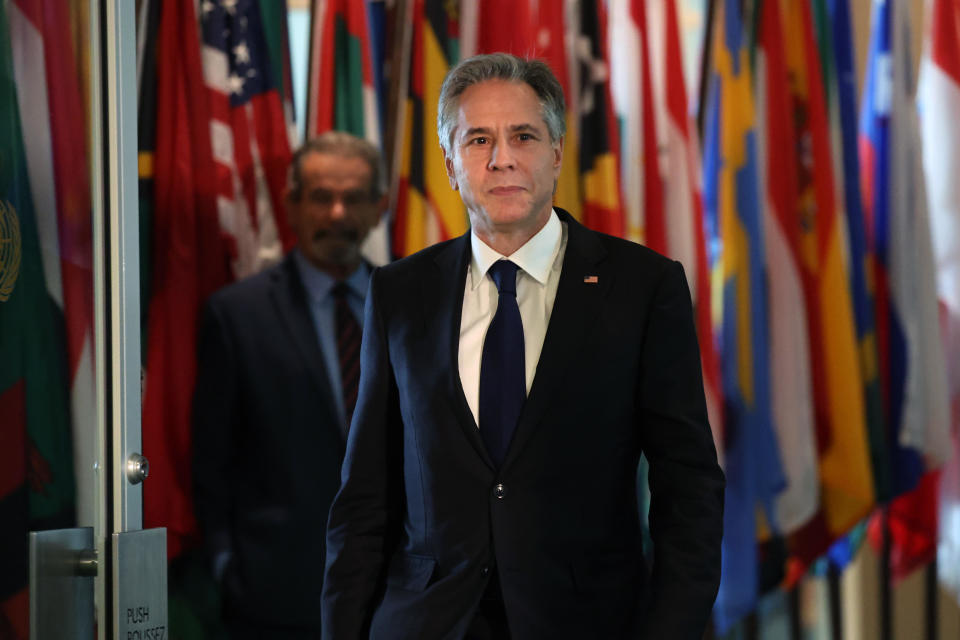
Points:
point(514, 128)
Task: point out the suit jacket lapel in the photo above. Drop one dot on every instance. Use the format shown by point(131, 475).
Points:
point(584, 282)
point(293, 308)
point(442, 327)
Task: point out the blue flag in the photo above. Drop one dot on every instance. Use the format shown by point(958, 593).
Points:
point(732, 198)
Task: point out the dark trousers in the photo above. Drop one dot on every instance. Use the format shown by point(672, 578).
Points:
point(244, 629)
point(490, 620)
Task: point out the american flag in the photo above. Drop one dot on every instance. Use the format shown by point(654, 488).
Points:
point(249, 133)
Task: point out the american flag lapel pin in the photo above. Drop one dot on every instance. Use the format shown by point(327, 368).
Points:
point(591, 279)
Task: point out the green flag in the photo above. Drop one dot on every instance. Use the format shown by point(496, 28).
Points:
point(36, 465)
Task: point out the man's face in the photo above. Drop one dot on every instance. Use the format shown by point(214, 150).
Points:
point(335, 211)
point(501, 158)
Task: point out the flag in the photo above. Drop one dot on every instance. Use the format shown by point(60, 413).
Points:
point(191, 261)
point(52, 111)
point(37, 489)
point(845, 474)
point(381, 33)
point(790, 366)
point(683, 193)
point(342, 92)
point(342, 95)
point(536, 30)
point(631, 87)
point(483, 28)
point(598, 131)
point(836, 52)
point(249, 132)
point(912, 367)
point(939, 95)
point(427, 210)
point(274, 15)
point(842, 88)
point(732, 204)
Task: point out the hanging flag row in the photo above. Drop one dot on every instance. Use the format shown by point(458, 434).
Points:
point(835, 213)
point(822, 260)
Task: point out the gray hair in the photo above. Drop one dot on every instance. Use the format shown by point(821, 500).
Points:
point(338, 143)
point(501, 66)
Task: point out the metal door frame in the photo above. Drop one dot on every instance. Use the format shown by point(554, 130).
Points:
point(116, 250)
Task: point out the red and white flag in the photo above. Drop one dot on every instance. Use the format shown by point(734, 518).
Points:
point(631, 86)
point(790, 367)
point(52, 116)
point(939, 95)
point(682, 194)
point(249, 132)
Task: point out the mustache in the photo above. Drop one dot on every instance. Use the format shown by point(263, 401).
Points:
point(348, 234)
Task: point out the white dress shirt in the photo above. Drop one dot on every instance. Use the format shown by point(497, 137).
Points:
point(540, 261)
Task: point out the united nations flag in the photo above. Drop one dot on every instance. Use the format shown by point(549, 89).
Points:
point(10, 249)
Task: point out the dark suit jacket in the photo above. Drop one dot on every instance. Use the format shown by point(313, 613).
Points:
point(422, 516)
point(267, 446)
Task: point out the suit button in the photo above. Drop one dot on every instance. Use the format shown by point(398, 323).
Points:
point(500, 491)
point(484, 571)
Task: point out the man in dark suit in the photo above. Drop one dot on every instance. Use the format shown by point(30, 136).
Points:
point(511, 379)
point(276, 385)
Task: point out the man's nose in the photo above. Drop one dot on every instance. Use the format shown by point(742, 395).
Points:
point(501, 157)
point(338, 211)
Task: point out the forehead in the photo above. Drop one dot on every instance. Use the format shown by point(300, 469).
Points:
point(334, 171)
point(495, 103)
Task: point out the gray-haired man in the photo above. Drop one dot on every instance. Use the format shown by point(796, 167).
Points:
point(511, 379)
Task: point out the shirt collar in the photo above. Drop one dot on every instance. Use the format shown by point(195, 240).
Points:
point(318, 282)
point(535, 257)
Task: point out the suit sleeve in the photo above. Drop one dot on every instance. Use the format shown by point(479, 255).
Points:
point(363, 517)
point(686, 483)
point(214, 433)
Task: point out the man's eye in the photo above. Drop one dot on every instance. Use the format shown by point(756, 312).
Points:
point(524, 137)
point(479, 140)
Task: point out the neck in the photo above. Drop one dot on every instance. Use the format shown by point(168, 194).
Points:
point(337, 271)
point(507, 239)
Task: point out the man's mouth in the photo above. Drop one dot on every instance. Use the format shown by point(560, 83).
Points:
point(345, 235)
point(506, 190)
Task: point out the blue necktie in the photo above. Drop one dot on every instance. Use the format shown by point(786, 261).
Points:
point(503, 386)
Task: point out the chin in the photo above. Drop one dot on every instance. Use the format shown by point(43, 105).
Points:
point(511, 216)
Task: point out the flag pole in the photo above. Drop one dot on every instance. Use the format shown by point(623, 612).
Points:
point(402, 38)
point(833, 593)
point(796, 630)
point(705, 68)
point(931, 608)
point(886, 599)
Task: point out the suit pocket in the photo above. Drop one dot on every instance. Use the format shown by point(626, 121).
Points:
point(411, 573)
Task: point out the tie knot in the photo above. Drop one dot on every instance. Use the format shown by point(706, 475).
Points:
point(504, 275)
point(340, 290)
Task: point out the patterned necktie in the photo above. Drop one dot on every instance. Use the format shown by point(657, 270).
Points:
point(348, 349)
point(503, 387)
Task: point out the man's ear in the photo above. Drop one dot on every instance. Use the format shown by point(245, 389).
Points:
point(451, 175)
point(558, 154)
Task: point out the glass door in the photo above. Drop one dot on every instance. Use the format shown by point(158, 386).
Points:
point(70, 382)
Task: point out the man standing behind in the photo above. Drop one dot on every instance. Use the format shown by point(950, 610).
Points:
point(511, 379)
point(276, 387)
